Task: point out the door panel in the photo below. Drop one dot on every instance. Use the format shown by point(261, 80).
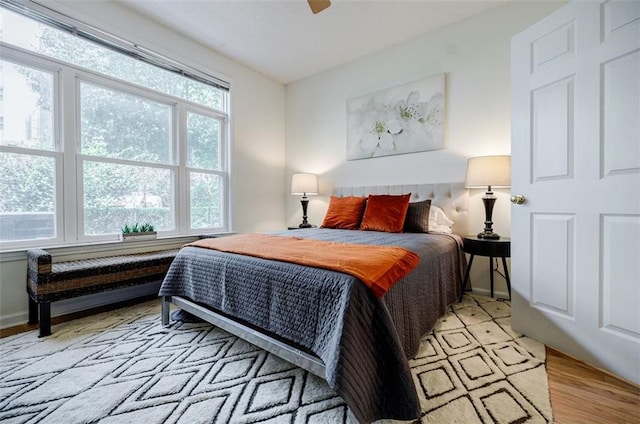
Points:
point(617, 15)
point(575, 84)
point(621, 274)
point(554, 46)
point(552, 151)
point(621, 148)
point(552, 265)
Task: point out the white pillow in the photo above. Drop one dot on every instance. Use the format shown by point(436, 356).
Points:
point(439, 222)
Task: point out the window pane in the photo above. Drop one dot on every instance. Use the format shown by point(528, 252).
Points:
point(206, 201)
point(123, 126)
point(26, 107)
point(115, 195)
point(27, 197)
point(203, 142)
point(29, 34)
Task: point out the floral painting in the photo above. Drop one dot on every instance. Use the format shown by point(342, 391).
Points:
point(403, 119)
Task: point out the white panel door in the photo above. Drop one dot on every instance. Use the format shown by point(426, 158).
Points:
point(575, 255)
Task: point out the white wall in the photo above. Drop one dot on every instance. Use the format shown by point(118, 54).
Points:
point(474, 54)
point(258, 133)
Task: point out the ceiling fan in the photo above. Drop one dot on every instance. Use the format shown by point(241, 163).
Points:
point(318, 6)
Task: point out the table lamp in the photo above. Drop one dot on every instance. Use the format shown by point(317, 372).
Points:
point(305, 184)
point(488, 171)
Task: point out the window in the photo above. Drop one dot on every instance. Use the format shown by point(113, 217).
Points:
point(28, 161)
point(204, 160)
point(119, 139)
point(127, 160)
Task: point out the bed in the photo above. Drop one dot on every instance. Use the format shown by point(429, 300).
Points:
point(328, 322)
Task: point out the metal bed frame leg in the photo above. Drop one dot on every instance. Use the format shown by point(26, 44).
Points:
point(166, 307)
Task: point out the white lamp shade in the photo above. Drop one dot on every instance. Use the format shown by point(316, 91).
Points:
point(304, 184)
point(486, 171)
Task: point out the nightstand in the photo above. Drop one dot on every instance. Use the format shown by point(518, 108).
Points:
point(493, 248)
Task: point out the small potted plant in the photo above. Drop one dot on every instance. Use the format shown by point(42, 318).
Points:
point(138, 232)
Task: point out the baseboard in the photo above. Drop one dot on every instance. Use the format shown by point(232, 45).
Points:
point(11, 320)
point(68, 306)
point(487, 292)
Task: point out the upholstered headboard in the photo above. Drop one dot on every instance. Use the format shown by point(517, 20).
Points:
point(453, 198)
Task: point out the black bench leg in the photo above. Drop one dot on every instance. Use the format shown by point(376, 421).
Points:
point(45, 319)
point(33, 311)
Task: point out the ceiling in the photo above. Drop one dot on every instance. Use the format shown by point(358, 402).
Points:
point(285, 41)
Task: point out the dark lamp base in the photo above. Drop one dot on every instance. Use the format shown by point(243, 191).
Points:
point(489, 199)
point(491, 236)
point(305, 203)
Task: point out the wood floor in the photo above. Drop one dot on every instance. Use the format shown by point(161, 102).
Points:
point(580, 393)
point(6, 332)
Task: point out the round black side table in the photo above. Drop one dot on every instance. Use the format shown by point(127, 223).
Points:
point(493, 248)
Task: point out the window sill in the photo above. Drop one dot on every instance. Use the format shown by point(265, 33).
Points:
point(102, 248)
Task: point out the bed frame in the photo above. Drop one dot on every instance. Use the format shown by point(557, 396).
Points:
point(311, 363)
point(453, 198)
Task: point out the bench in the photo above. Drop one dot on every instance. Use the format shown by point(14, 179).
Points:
point(49, 282)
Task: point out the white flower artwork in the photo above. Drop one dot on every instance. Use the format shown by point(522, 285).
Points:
point(403, 119)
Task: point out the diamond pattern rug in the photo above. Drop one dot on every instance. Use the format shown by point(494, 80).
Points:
point(125, 367)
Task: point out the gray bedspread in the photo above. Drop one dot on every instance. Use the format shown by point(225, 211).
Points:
point(364, 342)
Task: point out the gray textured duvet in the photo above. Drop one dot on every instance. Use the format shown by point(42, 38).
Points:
point(364, 342)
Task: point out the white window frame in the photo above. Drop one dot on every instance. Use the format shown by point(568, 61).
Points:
point(56, 152)
point(69, 200)
point(173, 165)
point(223, 170)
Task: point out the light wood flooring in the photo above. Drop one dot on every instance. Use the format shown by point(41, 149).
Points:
point(580, 393)
point(6, 332)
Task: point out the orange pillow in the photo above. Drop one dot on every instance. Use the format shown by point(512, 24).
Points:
point(344, 213)
point(385, 213)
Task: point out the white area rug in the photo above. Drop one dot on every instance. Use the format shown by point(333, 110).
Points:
point(124, 367)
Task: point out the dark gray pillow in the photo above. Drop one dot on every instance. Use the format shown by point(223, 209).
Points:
point(417, 218)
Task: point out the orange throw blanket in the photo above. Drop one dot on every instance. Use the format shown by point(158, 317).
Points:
point(378, 267)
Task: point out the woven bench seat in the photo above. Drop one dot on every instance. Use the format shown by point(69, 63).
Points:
point(49, 282)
